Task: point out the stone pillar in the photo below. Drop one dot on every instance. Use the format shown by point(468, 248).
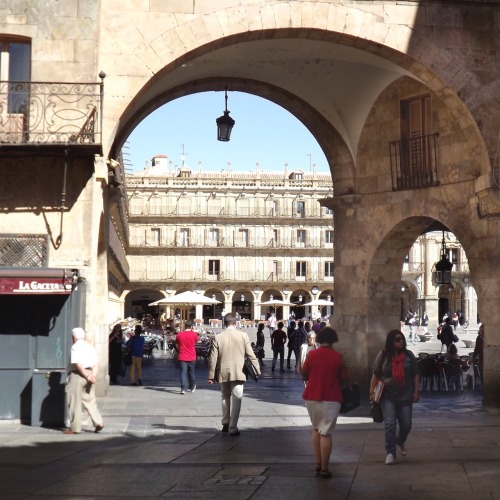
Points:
point(285, 314)
point(485, 269)
point(199, 312)
point(471, 307)
point(431, 306)
point(430, 301)
point(257, 298)
point(356, 334)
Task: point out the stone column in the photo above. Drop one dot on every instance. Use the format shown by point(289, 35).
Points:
point(257, 298)
point(485, 270)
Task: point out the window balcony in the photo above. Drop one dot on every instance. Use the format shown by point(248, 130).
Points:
point(143, 273)
point(51, 113)
point(414, 162)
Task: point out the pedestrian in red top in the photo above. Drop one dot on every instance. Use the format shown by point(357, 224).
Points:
point(325, 371)
point(185, 342)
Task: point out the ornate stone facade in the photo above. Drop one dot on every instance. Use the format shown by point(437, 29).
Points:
point(402, 97)
point(242, 236)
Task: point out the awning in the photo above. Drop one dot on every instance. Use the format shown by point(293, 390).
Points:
point(23, 281)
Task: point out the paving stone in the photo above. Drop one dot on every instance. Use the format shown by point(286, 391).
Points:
point(157, 444)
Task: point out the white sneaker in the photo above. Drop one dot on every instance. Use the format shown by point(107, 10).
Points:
point(402, 449)
point(389, 460)
point(193, 389)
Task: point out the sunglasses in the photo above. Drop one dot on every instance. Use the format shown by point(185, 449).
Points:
point(398, 339)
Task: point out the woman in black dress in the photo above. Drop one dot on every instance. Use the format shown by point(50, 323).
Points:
point(115, 360)
point(261, 340)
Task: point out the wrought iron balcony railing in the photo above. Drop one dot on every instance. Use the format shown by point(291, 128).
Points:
point(414, 162)
point(51, 112)
point(191, 275)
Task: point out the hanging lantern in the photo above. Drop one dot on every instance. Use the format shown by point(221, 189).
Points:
point(225, 124)
point(443, 267)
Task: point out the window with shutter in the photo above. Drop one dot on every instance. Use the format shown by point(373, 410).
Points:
point(415, 125)
point(214, 268)
point(15, 66)
point(155, 236)
point(301, 238)
point(184, 237)
point(329, 269)
point(300, 269)
point(301, 209)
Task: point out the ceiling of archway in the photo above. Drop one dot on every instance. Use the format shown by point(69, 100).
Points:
point(339, 82)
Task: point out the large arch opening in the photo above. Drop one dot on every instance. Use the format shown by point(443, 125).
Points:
point(414, 293)
point(212, 68)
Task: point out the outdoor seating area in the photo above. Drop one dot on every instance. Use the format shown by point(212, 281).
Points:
point(246, 323)
point(438, 373)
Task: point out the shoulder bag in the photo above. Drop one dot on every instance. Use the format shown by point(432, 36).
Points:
point(350, 398)
point(376, 413)
point(249, 370)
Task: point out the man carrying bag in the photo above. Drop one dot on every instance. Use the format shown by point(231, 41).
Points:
point(225, 365)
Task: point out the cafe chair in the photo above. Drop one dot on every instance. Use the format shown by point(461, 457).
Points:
point(426, 370)
point(453, 373)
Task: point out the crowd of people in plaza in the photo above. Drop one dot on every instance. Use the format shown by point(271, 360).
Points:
point(322, 369)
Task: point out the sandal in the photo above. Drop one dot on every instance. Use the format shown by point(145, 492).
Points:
point(325, 474)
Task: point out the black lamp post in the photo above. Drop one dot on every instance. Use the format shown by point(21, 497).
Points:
point(443, 267)
point(224, 124)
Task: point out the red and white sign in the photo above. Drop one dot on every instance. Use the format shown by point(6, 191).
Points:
point(34, 286)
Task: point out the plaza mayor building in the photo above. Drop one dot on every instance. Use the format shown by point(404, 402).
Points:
point(241, 238)
point(402, 98)
point(244, 238)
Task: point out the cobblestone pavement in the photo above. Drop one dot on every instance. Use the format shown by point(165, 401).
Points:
point(159, 443)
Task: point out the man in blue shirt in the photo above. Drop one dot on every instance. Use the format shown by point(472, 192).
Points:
point(136, 344)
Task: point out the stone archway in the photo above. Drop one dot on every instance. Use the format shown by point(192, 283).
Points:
point(370, 305)
point(136, 301)
point(354, 138)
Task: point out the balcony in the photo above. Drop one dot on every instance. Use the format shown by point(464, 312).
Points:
point(51, 113)
point(171, 210)
point(414, 162)
point(143, 273)
point(138, 241)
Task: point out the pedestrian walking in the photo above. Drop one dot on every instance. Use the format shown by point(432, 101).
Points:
point(271, 322)
point(278, 341)
point(225, 365)
point(295, 341)
point(185, 342)
point(396, 367)
point(135, 344)
point(325, 371)
point(477, 356)
point(447, 335)
point(413, 329)
point(307, 346)
point(261, 342)
point(80, 386)
point(116, 364)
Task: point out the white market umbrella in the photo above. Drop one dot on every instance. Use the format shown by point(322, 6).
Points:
point(185, 301)
point(277, 302)
point(319, 303)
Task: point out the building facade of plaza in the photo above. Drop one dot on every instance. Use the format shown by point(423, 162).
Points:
point(402, 97)
point(248, 237)
point(243, 237)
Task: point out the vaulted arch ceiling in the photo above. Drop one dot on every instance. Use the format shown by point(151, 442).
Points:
point(339, 82)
